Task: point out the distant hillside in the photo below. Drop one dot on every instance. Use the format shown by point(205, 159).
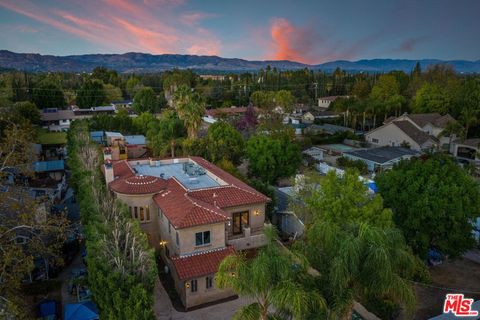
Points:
point(143, 62)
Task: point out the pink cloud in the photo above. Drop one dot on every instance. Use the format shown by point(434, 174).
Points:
point(194, 18)
point(291, 42)
point(127, 25)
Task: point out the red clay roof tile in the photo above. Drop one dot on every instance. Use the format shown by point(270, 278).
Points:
point(200, 264)
point(138, 185)
point(184, 211)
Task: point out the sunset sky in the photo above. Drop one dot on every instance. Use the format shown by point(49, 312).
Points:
point(306, 31)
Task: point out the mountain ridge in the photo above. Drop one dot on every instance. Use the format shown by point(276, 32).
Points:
point(145, 63)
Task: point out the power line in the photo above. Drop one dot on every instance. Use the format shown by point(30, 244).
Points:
point(444, 288)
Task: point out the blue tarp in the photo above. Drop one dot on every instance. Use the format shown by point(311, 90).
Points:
point(372, 186)
point(45, 166)
point(81, 311)
point(47, 308)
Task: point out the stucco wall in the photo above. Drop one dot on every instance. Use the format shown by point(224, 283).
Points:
point(150, 228)
point(390, 135)
point(187, 238)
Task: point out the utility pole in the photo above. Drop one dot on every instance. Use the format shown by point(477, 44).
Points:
point(315, 84)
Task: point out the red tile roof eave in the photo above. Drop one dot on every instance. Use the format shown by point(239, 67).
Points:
point(188, 274)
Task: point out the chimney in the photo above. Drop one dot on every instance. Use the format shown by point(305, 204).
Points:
point(109, 177)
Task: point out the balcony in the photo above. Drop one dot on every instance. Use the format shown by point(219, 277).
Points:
point(251, 237)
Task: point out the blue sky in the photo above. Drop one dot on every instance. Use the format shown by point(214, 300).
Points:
point(305, 31)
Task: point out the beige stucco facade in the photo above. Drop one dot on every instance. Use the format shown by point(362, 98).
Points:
point(149, 223)
point(390, 135)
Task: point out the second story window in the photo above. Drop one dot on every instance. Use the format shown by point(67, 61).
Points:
point(169, 227)
point(177, 239)
point(202, 238)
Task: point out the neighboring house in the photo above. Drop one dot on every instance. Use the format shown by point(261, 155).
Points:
point(194, 214)
point(136, 146)
point(57, 120)
point(122, 104)
point(327, 128)
point(324, 102)
point(120, 147)
point(468, 149)
point(285, 219)
point(313, 155)
point(382, 158)
point(326, 114)
point(90, 112)
point(213, 115)
point(418, 131)
point(308, 117)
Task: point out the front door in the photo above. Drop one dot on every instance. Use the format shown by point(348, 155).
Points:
point(240, 220)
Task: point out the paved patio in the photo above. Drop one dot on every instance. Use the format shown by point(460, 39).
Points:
point(164, 310)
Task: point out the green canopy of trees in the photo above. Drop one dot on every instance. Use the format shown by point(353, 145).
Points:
point(48, 94)
point(434, 202)
point(351, 240)
point(275, 279)
point(146, 101)
point(91, 94)
point(224, 142)
point(272, 156)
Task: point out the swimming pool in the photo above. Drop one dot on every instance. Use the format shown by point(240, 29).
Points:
point(338, 147)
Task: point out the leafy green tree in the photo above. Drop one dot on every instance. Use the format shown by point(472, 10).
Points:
point(285, 100)
point(263, 99)
point(91, 94)
point(224, 142)
point(107, 76)
point(145, 101)
point(48, 94)
point(133, 85)
point(386, 95)
point(121, 267)
point(274, 279)
point(272, 157)
point(190, 107)
point(164, 135)
point(26, 110)
point(434, 202)
point(351, 241)
point(431, 98)
point(112, 93)
point(144, 121)
point(19, 216)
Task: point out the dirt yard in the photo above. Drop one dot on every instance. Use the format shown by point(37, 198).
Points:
point(462, 276)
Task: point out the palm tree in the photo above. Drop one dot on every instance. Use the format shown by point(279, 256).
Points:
point(351, 241)
point(469, 116)
point(452, 129)
point(357, 261)
point(190, 107)
point(274, 279)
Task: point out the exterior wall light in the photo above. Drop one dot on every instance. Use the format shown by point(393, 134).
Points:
point(163, 243)
point(187, 284)
point(256, 212)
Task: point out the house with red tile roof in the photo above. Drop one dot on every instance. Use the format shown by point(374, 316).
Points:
point(194, 213)
point(419, 131)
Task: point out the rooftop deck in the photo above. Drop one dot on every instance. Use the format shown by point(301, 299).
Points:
point(190, 181)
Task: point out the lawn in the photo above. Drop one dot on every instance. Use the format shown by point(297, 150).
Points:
point(52, 138)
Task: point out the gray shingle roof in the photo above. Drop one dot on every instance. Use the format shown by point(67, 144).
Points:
point(382, 154)
point(413, 132)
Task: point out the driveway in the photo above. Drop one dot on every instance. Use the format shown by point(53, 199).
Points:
point(164, 310)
